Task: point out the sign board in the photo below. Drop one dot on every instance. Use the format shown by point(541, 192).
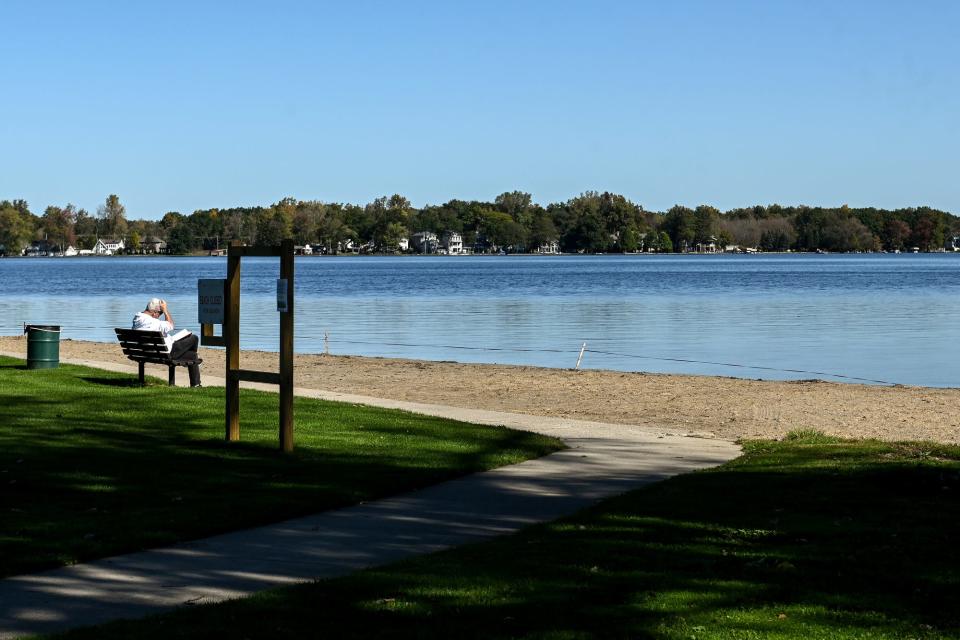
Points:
point(210, 301)
point(282, 306)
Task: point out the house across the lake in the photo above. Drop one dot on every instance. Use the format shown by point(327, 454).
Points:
point(153, 245)
point(424, 242)
point(108, 246)
point(42, 248)
point(551, 247)
point(452, 243)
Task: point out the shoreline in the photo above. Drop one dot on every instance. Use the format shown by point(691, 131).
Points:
point(204, 254)
point(720, 407)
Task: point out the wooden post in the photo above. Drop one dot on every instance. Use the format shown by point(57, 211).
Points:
point(286, 350)
point(231, 336)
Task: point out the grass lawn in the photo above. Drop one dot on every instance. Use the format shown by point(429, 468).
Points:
point(91, 464)
point(806, 538)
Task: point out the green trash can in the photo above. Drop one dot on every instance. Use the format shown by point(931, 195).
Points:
point(43, 345)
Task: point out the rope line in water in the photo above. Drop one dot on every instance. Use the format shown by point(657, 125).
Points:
point(743, 366)
point(453, 346)
point(621, 355)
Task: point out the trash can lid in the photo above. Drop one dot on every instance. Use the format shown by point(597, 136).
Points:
point(41, 327)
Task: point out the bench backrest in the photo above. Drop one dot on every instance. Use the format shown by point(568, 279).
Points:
point(145, 345)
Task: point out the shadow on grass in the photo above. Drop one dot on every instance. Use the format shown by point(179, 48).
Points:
point(792, 540)
point(114, 382)
point(94, 465)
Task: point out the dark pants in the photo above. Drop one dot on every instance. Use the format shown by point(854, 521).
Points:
point(186, 349)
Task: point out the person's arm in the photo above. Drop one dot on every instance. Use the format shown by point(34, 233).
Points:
point(166, 313)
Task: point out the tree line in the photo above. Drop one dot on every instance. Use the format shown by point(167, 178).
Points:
point(591, 222)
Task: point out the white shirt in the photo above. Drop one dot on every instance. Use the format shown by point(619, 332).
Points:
point(146, 322)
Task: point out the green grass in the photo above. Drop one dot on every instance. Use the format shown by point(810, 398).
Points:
point(91, 464)
point(806, 538)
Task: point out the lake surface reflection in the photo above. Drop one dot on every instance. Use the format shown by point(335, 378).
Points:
point(885, 318)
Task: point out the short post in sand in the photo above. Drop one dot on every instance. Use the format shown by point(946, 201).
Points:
point(230, 319)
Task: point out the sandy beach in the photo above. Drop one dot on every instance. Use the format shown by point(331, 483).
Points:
point(727, 408)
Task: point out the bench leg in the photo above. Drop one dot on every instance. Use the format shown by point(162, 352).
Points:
point(172, 375)
point(140, 372)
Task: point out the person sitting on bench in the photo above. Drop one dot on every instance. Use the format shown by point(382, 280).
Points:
point(181, 345)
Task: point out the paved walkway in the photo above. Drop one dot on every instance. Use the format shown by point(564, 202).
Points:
point(603, 460)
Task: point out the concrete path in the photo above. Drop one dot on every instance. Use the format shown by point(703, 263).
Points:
point(603, 460)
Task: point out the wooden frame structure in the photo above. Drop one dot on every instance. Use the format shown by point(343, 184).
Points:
point(231, 340)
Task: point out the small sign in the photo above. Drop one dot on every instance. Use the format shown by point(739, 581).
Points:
point(210, 301)
point(282, 298)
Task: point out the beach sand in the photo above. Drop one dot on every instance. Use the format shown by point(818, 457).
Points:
point(728, 408)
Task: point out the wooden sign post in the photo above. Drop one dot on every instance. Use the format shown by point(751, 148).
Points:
point(231, 339)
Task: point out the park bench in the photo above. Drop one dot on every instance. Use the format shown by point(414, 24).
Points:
point(148, 346)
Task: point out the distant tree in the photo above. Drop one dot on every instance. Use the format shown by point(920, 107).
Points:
point(724, 239)
point(617, 214)
point(392, 236)
point(666, 245)
point(207, 226)
point(239, 225)
point(273, 225)
point(58, 224)
point(542, 230)
point(630, 239)
point(84, 224)
point(928, 229)
point(333, 231)
point(809, 223)
point(113, 217)
point(503, 231)
point(590, 222)
point(388, 220)
point(742, 231)
point(16, 229)
point(399, 205)
point(895, 233)
point(180, 239)
point(305, 225)
point(171, 219)
point(680, 223)
point(587, 234)
point(777, 234)
point(516, 204)
point(842, 232)
point(706, 224)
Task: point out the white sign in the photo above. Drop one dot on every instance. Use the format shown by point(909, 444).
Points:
point(210, 301)
point(282, 306)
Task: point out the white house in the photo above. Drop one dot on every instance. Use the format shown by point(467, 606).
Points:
point(108, 247)
point(710, 246)
point(551, 247)
point(404, 244)
point(425, 242)
point(453, 243)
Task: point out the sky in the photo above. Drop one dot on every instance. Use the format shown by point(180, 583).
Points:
point(178, 106)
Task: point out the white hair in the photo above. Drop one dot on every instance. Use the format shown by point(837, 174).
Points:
point(155, 304)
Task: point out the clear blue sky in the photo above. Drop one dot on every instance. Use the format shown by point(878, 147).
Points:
point(187, 105)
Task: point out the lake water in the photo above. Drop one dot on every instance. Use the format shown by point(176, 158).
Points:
point(882, 318)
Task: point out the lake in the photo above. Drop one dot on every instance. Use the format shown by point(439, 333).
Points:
point(878, 318)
